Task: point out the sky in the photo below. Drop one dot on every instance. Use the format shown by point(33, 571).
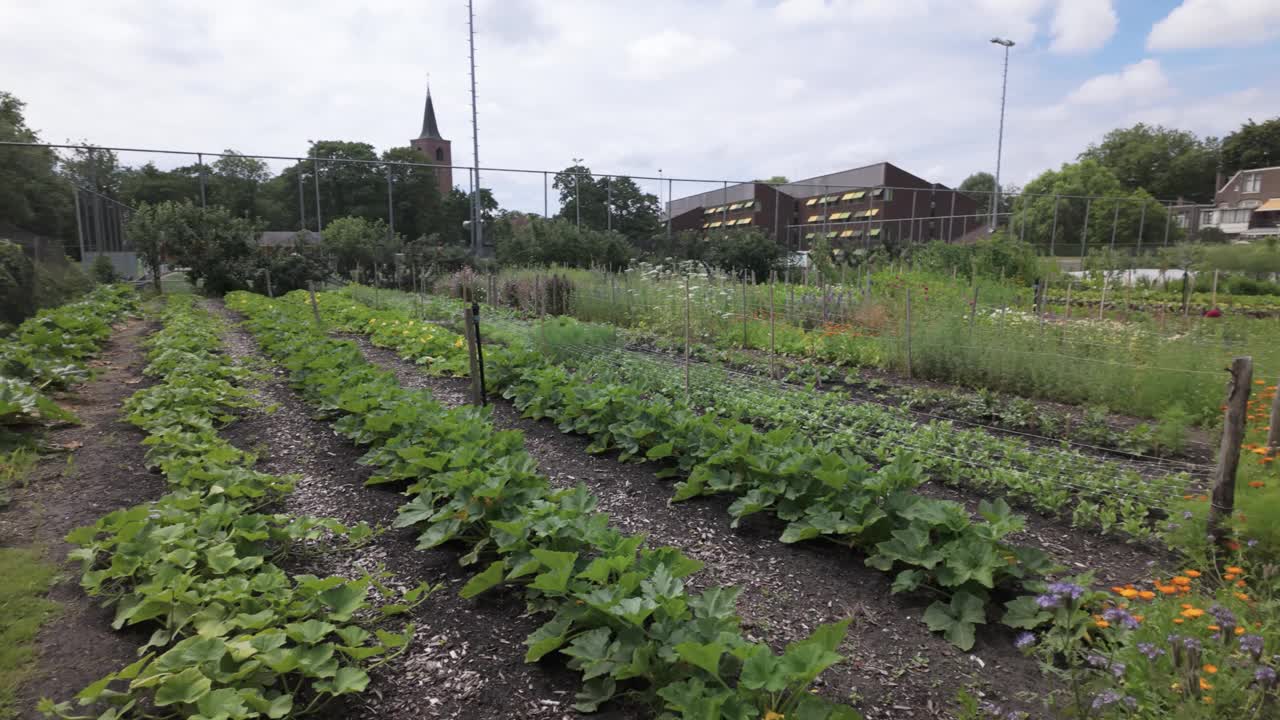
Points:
point(710, 89)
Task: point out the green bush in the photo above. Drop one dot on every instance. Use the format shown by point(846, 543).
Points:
point(17, 284)
point(103, 271)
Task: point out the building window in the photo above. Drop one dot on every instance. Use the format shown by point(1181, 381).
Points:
point(811, 202)
point(439, 154)
point(1250, 204)
point(1181, 219)
point(813, 218)
point(1253, 183)
point(1234, 216)
point(1206, 217)
point(855, 195)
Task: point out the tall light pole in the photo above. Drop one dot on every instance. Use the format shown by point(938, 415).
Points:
point(577, 197)
point(477, 240)
point(1004, 87)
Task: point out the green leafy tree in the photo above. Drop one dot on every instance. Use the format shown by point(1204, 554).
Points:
point(774, 180)
point(17, 284)
point(981, 187)
point(235, 182)
point(537, 241)
point(96, 169)
point(606, 203)
point(215, 247)
point(1165, 162)
point(1253, 145)
point(149, 184)
point(1112, 205)
point(32, 194)
point(353, 242)
point(743, 250)
point(103, 271)
point(418, 208)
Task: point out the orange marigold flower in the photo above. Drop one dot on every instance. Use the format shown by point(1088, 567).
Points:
point(1214, 628)
point(1240, 583)
point(1239, 630)
point(1139, 618)
point(1117, 589)
point(1210, 668)
point(1191, 573)
point(1256, 484)
point(1234, 569)
point(1187, 606)
point(1205, 684)
point(1242, 597)
point(1180, 580)
point(1146, 594)
point(1207, 699)
point(1129, 593)
point(1229, 577)
point(1102, 624)
point(1192, 613)
point(1177, 621)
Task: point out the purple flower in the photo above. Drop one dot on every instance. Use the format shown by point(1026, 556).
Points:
point(1047, 601)
point(1024, 639)
point(1265, 676)
point(1150, 650)
point(1252, 543)
point(1066, 590)
point(1252, 644)
point(1187, 515)
point(1110, 697)
point(1097, 660)
point(1224, 616)
point(1118, 616)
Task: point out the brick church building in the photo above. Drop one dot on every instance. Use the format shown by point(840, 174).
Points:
point(434, 147)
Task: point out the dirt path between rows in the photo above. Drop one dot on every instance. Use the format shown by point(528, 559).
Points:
point(896, 668)
point(101, 470)
point(467, 658)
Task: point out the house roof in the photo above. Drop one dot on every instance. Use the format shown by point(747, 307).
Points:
point(1272, 205)
point(1245, 170)
point(286, 238)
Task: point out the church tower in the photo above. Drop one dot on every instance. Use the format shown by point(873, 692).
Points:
point(435, 148)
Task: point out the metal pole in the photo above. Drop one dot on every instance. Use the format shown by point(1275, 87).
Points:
point(1115, 222)
point(75, 191)
point(1053, 232)
point(608, 202)
point(200, 162)
point(951, 221)
point(911, 234)
point(772, 346)
point(391, 215)
point(686, 336)
point(668, 209)
point(315, 163)
point(1084, 232)
point(724, 200)
point(1142, 223)
point(1168, 216)
point(476, 233)
point(546, 209)
point(1004, 86)
point(302, 207)
point(577, 198)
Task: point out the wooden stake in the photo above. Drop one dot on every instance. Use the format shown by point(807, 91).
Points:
point(1070, 283)
point(1103, 300)
point(772, 347)
point(270, 293)
point(1224, 475)
point(686, 336)
point(744, 312)
point(473, 356)
point(1214, 302)
point(315, 306)
point(973, 310)
point(909, 333)
point(1273, 435)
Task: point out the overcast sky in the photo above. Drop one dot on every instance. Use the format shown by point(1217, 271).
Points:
point(699, 88)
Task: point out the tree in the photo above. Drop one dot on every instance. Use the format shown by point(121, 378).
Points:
point(235, 183)
point(605, 203)
point(1165, 162)
point(1253, 145)
point(774, 180)
point(538, 241)
point(742, 250)
point(353, 242)
point(1054, 207)
point(149, 184)
point(418, 209)
point(32, 195)
point(981, 187)
point(94, 168)
point(215, 247)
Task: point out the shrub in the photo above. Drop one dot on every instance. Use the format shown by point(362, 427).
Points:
point(17, 284)
point(103, 271)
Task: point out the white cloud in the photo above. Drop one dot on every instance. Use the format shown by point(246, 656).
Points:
point(1216, 23)
point(1140, 82)
point(1082, 25)
point(725, 90)
point(672, 51)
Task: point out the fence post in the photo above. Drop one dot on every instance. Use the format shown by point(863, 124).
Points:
point(908, 333)
point(1273, 435)
point(469, 327)
point(1224, 475)
point(973, 309)
point(1213, 302)
point(773, 349)
point(686, 336)
point(315, 306)
point(744, 312)
point(270, 293)
point(1102, 301)
point(1070, 283)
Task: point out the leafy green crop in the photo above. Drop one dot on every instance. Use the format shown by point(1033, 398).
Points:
point(619, 612)
point(232, 634)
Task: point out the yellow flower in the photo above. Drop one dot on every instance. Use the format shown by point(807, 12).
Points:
point(1192, 613)
point(457, 343)
point(771, 715)
point(1129, 593)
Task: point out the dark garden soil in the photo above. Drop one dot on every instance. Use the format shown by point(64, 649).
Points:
point(895, 667)
point(97, 468)
point(467, 657)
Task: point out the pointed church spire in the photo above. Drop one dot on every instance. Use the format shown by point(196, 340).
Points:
point(429, 128)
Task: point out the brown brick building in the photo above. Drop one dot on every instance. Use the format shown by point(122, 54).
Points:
point(861, 207)
point(434, 147)
point(1246, 206)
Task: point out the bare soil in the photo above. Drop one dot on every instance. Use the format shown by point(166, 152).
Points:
point(99, 469)
point(895, 667)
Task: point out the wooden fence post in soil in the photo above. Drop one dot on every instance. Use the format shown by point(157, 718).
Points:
point(473, 354)
point(973, 310)
point(772, 348)
point(1214, 301)
point(686, 336)
point(1273, 434)
point(1224, 475)
point(270, 294)
point(908, 333)
point(1102, 301)
point(315, 306)
point(1070, 283)
point(744, 312)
